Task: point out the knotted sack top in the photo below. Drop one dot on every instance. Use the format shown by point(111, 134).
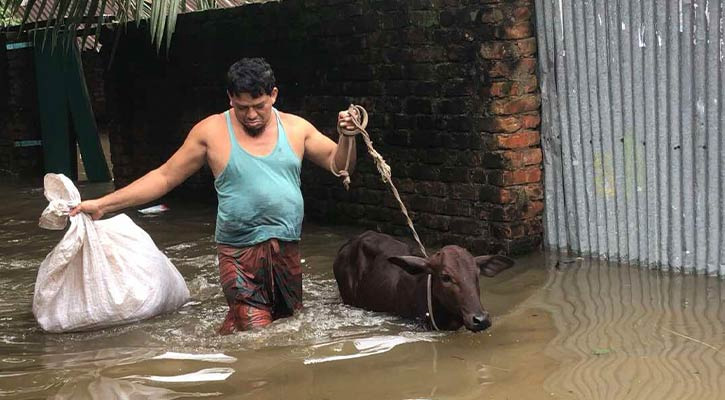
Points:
point(63, 196)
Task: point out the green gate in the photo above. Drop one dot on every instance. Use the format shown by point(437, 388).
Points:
point(66, 115)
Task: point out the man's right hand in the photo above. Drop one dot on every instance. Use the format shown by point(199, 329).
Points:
point(90, 207)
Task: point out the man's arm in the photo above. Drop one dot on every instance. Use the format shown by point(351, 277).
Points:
point(325, 153)
point(187, 160)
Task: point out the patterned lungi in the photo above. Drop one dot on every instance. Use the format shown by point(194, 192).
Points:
point(261, 283)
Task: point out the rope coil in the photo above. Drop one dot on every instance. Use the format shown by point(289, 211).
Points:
point(360, 120)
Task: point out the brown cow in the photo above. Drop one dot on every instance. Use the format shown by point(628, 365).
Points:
point(377, 273)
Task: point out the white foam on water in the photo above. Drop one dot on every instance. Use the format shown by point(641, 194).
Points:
point(204, 375)
point(215, 357)
point(364, 347)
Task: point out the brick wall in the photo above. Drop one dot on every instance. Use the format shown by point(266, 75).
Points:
point(450, 86)
point(513, 191)
point(19, 120)
point(93, 69)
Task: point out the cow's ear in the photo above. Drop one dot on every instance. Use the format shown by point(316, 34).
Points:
point(491, 265)
point(412, 264)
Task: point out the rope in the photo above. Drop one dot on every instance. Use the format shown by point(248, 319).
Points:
point(429, 298)
point(360, 120)
point(357, 112)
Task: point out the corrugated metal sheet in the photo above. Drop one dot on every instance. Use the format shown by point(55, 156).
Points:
point(633, 116)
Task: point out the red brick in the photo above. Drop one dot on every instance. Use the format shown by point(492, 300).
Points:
point(506, 124)
point(467, 226)
point(496, 194)
point(495, 50)
point(507, 231)
point(437, 189)
point(516, 211)
point(531, 156)
point(520, 158)
point(497, 69)
point(533, 209)
point(517, 229)
point(464, 192)
point(526, 47)
point(505, 212)
point(510, 69)
point(470, 158)
point(534, 191)
point(508, 49)
point(521, 13)
point(515, 177)
point(517, 104)
point(516, 140)
point(437, 222)
point(519, 30)
point(499, 89)
point(530, 120)
point(515, 157)
point(496, 160)
point(511, 88)
point(528, 84)
point(491, 14)
point(496, 89)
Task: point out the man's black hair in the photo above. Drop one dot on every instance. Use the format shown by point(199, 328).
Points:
point(250, 75)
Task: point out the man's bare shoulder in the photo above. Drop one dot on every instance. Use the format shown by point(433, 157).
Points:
point(295, 123)
point(208, 127)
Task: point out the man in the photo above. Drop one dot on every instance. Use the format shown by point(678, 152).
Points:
point(255, 153)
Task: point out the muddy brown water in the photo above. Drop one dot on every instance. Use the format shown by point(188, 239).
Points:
point(563, 329)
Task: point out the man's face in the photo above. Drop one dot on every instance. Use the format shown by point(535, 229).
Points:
point(254, 113)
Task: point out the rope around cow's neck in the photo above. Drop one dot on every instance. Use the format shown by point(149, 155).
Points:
point(429, 298)
point(357, 112)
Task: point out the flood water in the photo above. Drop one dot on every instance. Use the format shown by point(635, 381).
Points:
point(563, 328)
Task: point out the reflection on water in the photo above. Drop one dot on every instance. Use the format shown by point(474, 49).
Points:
point(630, 333)
point(102, 388)
point(584, 330)
point(348, 349)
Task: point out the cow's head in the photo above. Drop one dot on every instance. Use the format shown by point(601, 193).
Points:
point(455, 281)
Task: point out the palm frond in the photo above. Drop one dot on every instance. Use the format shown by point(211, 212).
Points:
point(101, 8)
point(86, 32)
point(139, 6)
point(26, 14)
point(173, 6)
point(61, 18)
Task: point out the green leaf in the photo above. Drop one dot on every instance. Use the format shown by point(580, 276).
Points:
point(173, 12)
point(601, 352)
point(62, 9)
point(43, 4)
point(125, 10)
point(139, 8)
point(26, 14)
point(75, 17)
point(86, 29)
point(101, 10)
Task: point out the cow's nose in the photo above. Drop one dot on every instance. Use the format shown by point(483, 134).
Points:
point(481, 321)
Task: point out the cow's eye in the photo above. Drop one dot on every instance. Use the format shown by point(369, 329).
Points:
point(446, 278)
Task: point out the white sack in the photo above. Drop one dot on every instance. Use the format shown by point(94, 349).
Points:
point(102, 273)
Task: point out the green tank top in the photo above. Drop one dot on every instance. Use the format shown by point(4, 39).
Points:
point(259, 197)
